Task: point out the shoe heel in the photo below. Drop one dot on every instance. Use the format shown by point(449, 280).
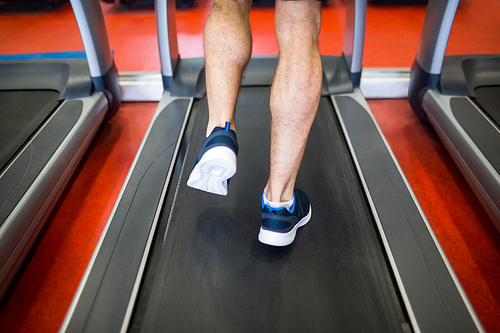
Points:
point(211, 173)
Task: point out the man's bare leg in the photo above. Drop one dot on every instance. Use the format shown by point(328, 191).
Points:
point(228, 47)
point(295, 92)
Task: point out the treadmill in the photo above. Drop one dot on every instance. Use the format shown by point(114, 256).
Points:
point(175, 259)
point(460, 96)
point(51, 106)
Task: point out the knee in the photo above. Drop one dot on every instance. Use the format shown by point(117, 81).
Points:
point(227, 31)
point(241, 6)
point(297, 20)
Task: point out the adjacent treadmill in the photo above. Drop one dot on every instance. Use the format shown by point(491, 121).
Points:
point(174, 259)
point(51, 106)
point(460, 96)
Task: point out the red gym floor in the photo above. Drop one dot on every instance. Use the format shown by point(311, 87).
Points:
point(43, 291)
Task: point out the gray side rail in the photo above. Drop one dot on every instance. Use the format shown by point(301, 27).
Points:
point(442, 91)
point(28, 205)
point(434, 298)
point(472, 141)
point(115, 270)
point(37, 186)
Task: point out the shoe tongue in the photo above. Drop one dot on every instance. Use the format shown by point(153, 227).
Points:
point(219, 129)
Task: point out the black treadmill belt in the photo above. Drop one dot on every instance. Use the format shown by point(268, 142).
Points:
point(21, 113)
point(208, 273)
point(489, 99)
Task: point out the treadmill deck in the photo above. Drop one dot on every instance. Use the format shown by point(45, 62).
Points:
point(208, 272)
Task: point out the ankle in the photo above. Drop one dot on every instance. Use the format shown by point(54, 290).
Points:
point(283, 195)
point(281, 204)
point(212, 125)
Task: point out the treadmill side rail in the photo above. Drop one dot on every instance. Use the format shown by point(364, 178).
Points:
point(434, 298)
point(124, 244)
point(477, 168)
point(441, 89)
point(40, 197)
point(25, 221)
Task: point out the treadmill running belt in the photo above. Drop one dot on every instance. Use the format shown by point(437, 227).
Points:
point(21, 113)
point(489, 99)
point(207, 271)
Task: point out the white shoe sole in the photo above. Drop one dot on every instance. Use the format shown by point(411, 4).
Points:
point(211, 173)
point(283, 239)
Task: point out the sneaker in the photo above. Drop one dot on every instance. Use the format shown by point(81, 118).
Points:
point(216, 162)
point(279, 225)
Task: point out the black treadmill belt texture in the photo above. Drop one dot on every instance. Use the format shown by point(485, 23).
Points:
point(209, 273)
point(488, 98)
point(21, 113)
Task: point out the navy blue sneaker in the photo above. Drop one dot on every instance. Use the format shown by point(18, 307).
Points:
point(216, 162)
point(279, 225)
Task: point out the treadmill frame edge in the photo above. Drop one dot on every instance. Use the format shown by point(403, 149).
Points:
point(68, 149)
point(92, 28)
point(164, 102)
point(383, 226)
point(375, 83)
point(428, 66)
point(161, 106)
point(471, 161)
